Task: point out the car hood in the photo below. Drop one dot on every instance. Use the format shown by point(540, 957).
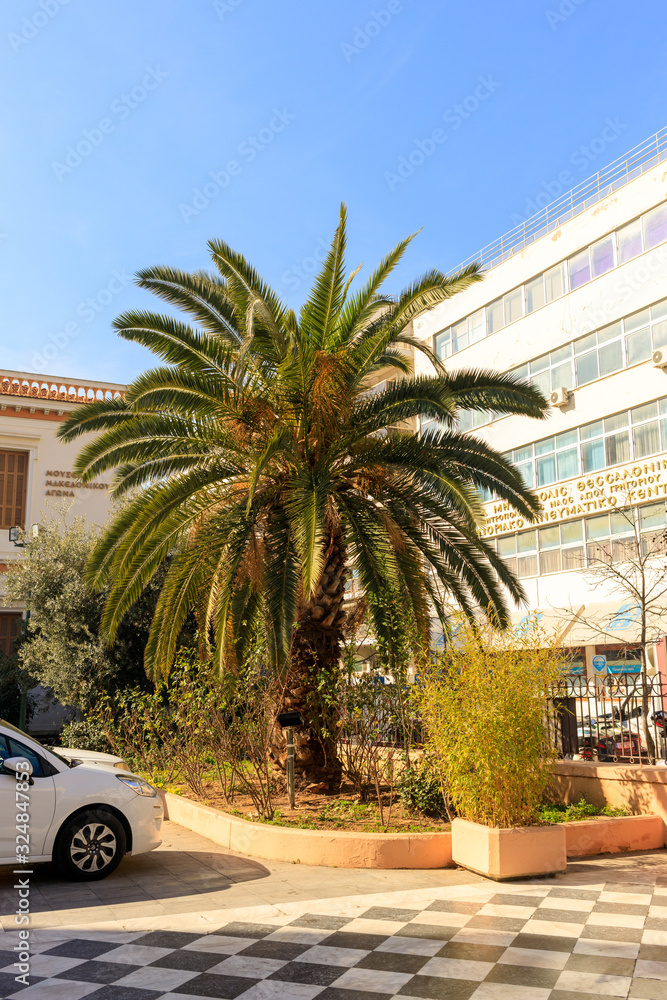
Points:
point(92, 757)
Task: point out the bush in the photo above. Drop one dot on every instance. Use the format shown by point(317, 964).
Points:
point(419, 789)
point(86, 735)
point(484, 707)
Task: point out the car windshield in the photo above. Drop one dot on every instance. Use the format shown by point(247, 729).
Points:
point(63, 760)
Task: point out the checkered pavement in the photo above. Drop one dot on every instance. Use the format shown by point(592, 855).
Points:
point(476, 942)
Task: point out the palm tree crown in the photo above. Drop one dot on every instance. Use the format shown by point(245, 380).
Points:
point(256, 458)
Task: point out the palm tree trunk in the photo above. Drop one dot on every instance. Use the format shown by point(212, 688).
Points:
point(313, 672)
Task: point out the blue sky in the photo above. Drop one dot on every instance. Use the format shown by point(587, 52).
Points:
point(274, 113)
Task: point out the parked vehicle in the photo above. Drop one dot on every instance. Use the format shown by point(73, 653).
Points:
point(91, 757)
point(619, 746)
point(85, 815)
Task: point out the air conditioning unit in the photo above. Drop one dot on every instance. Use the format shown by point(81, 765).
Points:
point(659, 359)
point(560, 397)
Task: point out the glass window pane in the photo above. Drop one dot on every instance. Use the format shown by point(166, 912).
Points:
point(597, 527)
point(585, 344)
point(598, 552)
point(659, 310)
point(545, 446)
point(567, 439)
point(523, 454)
point(494, 316)
point(527, 566)
point(568, 463)
point(610, 357)
point(573, 558)
point(507, 545)
point(549, 537)
point(535, 294)
point(590, 430)
point(616, 422)
point(429, 425)
point(480, 417)
point(550, 561)
point(539, 364)
point(655, 227)
point(571, 531)
point(623, 551)
point(443, 344)
point(580, 269)
point(602, 256)
point(546, 470)
point(587, 368)
point(514, 305)
point(660, 334)
point(464, 420)
point(636, 321)
point(592, 456)
point(526, 473)
point(617, 448)
point(459, 336)
point(542, 381)
point(521, 371)
point(511, 565)
point(476, 326)
point(562, 376)
point(629, 241)
point(562, 354)
point(554, 285)
point(527, 541)
point(646, 412)
point(652, 516)
point(622, 521)
point(609, 332)
point(638, 346)
point(647, 439)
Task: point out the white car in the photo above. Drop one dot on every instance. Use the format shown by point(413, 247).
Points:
point(91, 757)
point(85, 816)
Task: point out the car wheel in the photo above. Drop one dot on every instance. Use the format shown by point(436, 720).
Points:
point(90, 846)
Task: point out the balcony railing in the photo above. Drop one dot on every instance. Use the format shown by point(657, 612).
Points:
point(619, 173)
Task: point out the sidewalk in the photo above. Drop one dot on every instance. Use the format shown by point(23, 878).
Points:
point(191, 921)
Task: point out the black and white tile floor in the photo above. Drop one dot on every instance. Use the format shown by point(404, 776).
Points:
point(534, 941)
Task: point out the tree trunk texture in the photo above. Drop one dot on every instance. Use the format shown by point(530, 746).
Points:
point(313, 673)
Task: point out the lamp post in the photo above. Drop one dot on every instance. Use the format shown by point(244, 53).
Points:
point(289, 721)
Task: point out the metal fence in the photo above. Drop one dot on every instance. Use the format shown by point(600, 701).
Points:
point(588, 192)
point(600, 718)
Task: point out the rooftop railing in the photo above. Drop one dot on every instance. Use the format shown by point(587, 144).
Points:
point(619, 173)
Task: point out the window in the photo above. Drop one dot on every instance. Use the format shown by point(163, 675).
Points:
point(629, 241)
point(10, 626)
point(13, 484)
point(587, 264)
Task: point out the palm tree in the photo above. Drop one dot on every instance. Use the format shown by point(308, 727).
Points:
point(256, 458)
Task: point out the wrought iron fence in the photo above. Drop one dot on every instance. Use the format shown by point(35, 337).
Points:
point(602, 718)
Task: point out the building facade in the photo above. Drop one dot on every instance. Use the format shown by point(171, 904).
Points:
point(36, 477)
point(576, 301)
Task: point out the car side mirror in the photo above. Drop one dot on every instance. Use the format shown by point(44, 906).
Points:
point(18, 765)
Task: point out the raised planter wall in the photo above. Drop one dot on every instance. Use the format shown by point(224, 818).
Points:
point(604, 835)
point(641, 790)
point(335, 849)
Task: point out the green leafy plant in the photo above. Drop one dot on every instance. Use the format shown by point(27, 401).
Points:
point(484, 705)
point(419, 788)
point(258, 461)
point(558, 812)
point(88, 734)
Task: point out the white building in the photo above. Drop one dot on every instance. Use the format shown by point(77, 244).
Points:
point(576, 300)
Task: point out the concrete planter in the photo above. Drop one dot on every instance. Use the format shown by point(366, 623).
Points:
point(501, 854)
point(311, 847)
point(613, 835)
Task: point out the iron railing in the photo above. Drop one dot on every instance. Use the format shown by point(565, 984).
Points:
point(619, 173)
point(601, 718)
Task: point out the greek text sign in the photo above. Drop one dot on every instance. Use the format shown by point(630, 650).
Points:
point(636, 482)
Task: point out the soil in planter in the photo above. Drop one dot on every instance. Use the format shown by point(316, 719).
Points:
point(319, 811)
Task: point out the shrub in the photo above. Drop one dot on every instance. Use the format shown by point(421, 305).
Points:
point(86, 735)
point(419, 788)
point(484, 708)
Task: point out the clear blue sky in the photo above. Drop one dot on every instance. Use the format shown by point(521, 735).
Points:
point(313, 103)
